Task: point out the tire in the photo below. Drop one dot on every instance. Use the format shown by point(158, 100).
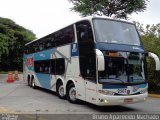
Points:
point(60, 90)
point(33, 85)
point(28, 81)
point(71, 93)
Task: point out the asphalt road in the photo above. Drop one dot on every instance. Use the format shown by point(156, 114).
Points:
point(19, 98)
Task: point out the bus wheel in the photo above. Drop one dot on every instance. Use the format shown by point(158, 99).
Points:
point(33, 84)
point(28, 80)
point(71, 94)
point(60, 91)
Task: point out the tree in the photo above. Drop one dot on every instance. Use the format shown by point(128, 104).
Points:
point(116, 8)
point(150, 35)
point(13, 37)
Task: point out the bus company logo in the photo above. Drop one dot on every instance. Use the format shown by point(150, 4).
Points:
point(30, 61)
point(42, 55)
point(136, 48)
point(74, 48)
point(128, 92)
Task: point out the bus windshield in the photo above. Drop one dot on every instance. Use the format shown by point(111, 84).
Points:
point(117, 32)
point(123, 67)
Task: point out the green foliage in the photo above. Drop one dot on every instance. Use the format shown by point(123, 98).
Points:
point(117, 8)
point(13, 37)
point(150, 35)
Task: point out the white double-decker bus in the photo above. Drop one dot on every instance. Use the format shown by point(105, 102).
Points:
point(96, 59)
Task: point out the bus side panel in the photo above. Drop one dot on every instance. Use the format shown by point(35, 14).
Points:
point(28, 69)
point(79, 81)
point(61, 52)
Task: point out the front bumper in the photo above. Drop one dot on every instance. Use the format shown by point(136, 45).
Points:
point(104, 100)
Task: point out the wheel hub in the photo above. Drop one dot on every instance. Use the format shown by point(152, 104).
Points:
point(61, 91)
point(72, 94)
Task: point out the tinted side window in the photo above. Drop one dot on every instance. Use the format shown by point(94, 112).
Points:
point(42, 66)
point(31, 48)
point(60, 66)
point(56, 66)
point(64, 36)
point(36, 46)
point(86, 47)
point(59, 38)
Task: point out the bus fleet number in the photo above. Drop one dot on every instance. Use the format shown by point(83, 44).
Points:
point(122, 91)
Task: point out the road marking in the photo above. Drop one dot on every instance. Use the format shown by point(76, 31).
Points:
point(30, 117)
point(33, 117)
point(6, 110)
point(154, 95)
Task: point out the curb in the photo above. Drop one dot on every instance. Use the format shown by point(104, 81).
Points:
point(154, 95)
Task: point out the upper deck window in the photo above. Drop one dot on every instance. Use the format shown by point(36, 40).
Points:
point(59, 38)
point(111, 31)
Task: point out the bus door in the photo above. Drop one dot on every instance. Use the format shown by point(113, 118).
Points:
point(87, 60)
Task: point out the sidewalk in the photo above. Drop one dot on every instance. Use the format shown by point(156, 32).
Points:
point(154, 95)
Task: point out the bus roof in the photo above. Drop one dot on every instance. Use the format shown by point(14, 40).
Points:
point(86, 18)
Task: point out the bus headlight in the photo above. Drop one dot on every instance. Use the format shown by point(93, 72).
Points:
point(103, 101)
point(106, 101)
point(106, 92)
point(145, 99)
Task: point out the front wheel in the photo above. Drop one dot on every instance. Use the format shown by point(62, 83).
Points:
point(71, 93)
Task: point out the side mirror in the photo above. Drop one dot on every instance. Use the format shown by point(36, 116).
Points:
point(100, 60)
point(156, 59)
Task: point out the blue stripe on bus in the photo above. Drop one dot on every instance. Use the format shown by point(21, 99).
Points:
point(108, 86)
point(139, 86)
point(43, 55)
point(119, 47)
point(44, 80)
point(142, 85)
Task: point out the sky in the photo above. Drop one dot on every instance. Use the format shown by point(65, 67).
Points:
point(45, 16)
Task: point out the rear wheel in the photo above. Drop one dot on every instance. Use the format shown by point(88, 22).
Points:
point(71, 93)
point(28, 81)
point(60, 90)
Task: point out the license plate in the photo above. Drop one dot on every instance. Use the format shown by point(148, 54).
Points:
point(128, 100)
